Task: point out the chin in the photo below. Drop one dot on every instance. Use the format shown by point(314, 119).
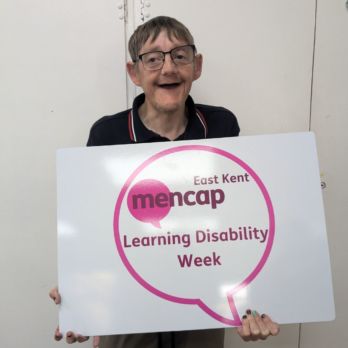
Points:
point(171, 105)
point(170, 108)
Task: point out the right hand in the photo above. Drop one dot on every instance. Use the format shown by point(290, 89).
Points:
point(71, 337)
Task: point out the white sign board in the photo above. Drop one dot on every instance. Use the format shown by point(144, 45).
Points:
point(190, 234)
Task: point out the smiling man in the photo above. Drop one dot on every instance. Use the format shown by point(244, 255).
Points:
point(164, 64)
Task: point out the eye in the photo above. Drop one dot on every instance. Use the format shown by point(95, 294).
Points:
point(183, 54)
point(180, 56)
point(152, 58)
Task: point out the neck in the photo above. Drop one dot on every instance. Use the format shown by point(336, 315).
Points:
point(167, 124)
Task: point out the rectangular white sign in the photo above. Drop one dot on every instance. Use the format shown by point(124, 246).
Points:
point(188, 235)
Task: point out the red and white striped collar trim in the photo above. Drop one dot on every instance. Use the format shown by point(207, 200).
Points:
point(131, 130)
point(203, 122)
point(133, 136)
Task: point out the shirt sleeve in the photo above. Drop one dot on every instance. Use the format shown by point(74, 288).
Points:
point(92, 138)
point(95, 136)
point(232, 130)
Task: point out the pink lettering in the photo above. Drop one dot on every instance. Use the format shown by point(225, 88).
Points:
point(189, 260)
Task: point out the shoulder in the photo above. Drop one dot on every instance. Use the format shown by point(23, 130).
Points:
point(221, 122)
point(216, 112)
point(110, 130)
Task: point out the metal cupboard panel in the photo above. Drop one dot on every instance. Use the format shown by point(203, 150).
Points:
point(62, 66)
point(330, 123)
point(257, 57)
point(258, 63)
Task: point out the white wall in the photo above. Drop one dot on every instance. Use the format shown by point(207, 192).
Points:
point(61, 68)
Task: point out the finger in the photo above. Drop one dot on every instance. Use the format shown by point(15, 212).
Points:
point(57, 334)
point(55, 296)
point(70, 337)
point(81, 338)
point(244, 330)
point(96, 341)
point(264, 330)
point(254, 328)
point(271, 325)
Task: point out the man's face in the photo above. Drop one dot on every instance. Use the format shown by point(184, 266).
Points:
point(165, 89)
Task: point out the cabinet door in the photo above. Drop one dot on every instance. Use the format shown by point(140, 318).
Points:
point(330, 123)
point(257, 57)
point(258, 63)
point(61, 67)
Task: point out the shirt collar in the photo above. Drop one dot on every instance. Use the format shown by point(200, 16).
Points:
point(196, 126)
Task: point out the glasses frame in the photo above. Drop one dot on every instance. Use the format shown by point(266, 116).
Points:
point(140, 57)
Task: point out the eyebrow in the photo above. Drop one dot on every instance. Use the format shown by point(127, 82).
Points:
point(158, 49)
point(154, 49)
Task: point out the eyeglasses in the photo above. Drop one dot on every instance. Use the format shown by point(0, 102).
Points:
point(182, 55)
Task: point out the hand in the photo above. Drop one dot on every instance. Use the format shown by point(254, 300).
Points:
point(71, 337)
point(255, 327)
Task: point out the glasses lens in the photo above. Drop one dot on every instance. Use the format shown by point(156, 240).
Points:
point(152, 60)
point(183, 55)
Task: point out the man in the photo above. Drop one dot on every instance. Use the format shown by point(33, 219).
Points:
point(164, 64)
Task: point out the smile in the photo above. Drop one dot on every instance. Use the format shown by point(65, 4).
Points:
point(169, 85)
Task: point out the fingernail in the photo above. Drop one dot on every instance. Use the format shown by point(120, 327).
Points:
point(244, 316)
point(254, 314)
point(263, 316)
point(248, 311)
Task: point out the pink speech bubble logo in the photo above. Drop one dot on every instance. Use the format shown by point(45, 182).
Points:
point(236, 321)
point(143, 202)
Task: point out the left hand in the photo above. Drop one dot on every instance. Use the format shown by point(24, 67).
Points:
point(257, 327)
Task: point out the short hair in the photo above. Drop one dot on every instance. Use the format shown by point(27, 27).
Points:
point(152, 28)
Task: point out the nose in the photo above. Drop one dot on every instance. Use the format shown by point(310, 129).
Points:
point(168, 64)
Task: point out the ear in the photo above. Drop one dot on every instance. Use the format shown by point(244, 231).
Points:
point(197, 66)
point(133, 73)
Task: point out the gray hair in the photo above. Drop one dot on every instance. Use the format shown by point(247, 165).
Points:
point(152, 29)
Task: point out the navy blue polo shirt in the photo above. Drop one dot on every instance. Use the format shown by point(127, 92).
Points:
point(126, 127)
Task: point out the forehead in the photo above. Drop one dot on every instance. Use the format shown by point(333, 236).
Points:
point(162, 42)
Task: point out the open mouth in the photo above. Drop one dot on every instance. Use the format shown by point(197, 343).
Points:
point(169, 85)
